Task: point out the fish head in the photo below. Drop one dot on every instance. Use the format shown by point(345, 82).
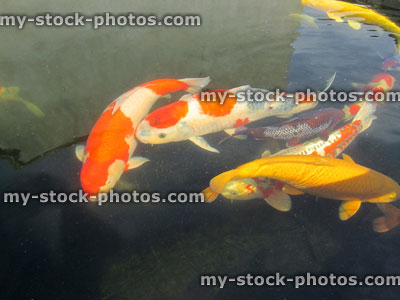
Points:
point(166, 124)
point(100, 177)
point(241, 189)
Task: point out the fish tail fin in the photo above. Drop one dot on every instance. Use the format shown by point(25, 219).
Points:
point(366, 114)
point(390, 220)
point(33, 108)
point(209, 194)
point(196, 84)
point(218, 182)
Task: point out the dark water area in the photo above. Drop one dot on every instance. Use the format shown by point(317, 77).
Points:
point(159, 251)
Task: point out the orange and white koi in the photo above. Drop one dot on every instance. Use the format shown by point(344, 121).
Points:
point(111, 143)
point(192, 117)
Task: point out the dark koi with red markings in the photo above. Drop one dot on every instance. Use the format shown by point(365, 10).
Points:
point(319, 123)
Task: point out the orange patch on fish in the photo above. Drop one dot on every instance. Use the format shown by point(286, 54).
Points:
point(345, 134)
point(215, 108)
point(168, 115)
point(241, 122)
point(250, 188)
point(107, 138)
point(353, 109)
point(165, 86)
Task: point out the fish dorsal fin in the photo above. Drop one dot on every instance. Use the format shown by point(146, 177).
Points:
point(279, 200)
point(348, 209)
point(239, 89)
point(209, 194)
point(347, 158)
point(288, 189)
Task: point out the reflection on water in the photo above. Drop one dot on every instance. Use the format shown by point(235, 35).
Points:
point(159, 251)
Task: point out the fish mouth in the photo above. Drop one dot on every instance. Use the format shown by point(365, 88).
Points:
point(143, 134)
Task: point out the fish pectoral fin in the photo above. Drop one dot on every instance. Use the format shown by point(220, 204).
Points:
point(334, 17)
point(232, 131)
point(288, 189)
point(202, 143)
point(135, 162)
point(348, 209)
point(209, 194)
point(80, 152)
point(347, 158)
point(324, 135)
point(354, 24)
point(279, 200)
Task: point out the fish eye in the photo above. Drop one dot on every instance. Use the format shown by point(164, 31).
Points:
point(162, 135)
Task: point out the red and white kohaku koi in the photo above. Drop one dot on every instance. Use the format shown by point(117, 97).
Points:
point(271, 190)
point(192, 116)
point(111, 143)
point(318, 122)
